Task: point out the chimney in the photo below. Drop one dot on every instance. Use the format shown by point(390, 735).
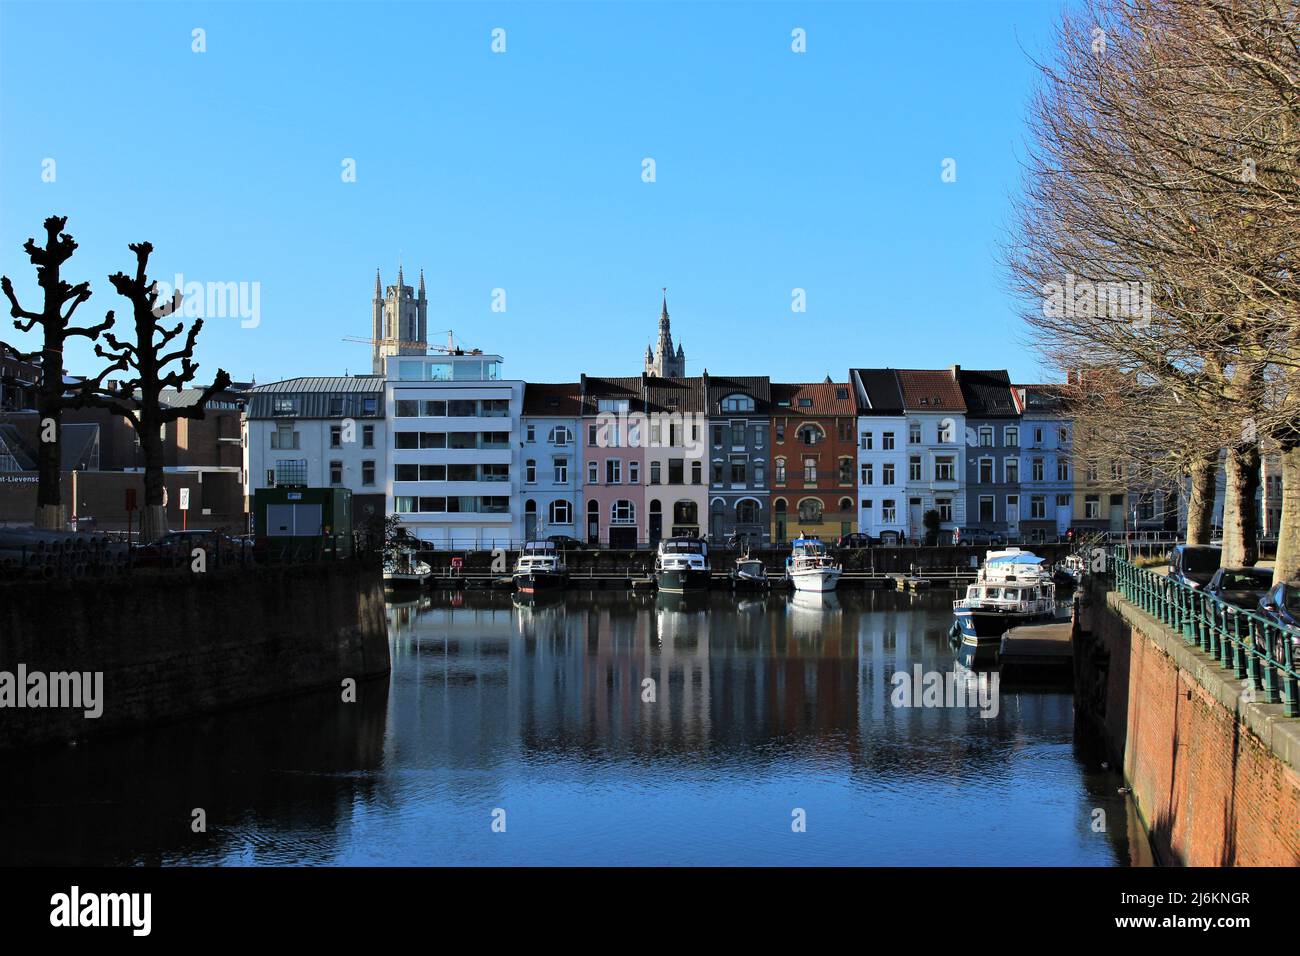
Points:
point(956, 371)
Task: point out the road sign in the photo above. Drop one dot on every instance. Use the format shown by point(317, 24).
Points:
point(185, 499)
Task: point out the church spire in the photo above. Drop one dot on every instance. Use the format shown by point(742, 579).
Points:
point(379, 290)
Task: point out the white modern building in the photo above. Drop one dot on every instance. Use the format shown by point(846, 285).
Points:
point(453, 475)
point(882, 451)
point(320, 432)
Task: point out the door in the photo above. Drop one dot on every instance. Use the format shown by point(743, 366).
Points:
point(1013, 514)
point(593, 523)
point(530, 521)
point(914, 516)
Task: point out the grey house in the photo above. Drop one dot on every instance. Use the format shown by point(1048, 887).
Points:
point(739, 453)
point(993, 444)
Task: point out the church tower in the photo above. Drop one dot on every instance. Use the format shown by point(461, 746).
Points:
point(663, 361)
point(399, 320)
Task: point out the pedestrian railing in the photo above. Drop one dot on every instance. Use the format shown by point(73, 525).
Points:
point(1262, 653)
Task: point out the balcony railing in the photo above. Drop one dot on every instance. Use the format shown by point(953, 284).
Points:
point(1257, 649)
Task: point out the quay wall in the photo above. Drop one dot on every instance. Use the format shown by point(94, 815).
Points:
point(1215, 777)
point(173, 645)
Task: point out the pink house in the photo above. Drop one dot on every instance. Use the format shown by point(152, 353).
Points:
point(613, 462)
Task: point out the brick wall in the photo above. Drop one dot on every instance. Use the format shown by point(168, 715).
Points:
point(1216, 779)
point(174, 645)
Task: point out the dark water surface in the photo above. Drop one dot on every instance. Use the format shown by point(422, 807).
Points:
point(763, 707)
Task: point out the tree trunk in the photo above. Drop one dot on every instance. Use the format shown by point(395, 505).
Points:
point(1240, 518)
point(1200, 504)
point(1287, 565)
point(153, 516)
point(50, 513)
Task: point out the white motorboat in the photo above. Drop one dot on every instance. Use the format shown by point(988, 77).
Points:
point(1010, 589)
point(810, 566)
point(403, 569)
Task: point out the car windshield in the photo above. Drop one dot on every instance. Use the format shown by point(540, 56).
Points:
point(1201, 559)
point(1291, 597)
point(1252, 580)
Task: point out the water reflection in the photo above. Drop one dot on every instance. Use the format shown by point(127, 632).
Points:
point(613, 727)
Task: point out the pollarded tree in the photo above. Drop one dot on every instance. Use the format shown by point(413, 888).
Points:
point(141, 402)
point(52, 396)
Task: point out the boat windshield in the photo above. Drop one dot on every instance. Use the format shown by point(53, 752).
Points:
point(682, 547)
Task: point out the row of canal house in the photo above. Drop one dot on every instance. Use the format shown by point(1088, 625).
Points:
point(468, 459)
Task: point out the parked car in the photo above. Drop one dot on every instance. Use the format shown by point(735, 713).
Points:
point(854, 540)
point(1240, 587)
point(566, 543)
point(1282, 606)
point(973, 536)
point(1194, 564)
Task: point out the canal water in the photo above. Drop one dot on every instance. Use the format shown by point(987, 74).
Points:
point(602, 728)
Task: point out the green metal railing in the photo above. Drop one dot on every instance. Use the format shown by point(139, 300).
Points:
point(1261, 652)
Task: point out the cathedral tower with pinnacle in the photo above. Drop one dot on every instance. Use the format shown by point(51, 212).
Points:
point(399, 321)
point(662, 361)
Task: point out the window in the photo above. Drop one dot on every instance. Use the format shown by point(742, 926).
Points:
point(810, 510)
point(336, 436)
point(462, 408)
point(986, 509)
point(887, 473)
point(1011, 435)
point(560, 512)
point(622, 512)
point(676, 471)
point(846, 471)
point(697, 472)
point(284, 406)
point(947, 431)
point(615, 405)
point(1037, 507)
point(866, 441)
point(1062, 470)
point(593, 473)
point(530, 433)
point(717, 435)
point(495, 408)
point(613, 471)
point(737, 434)
point(759, 431)
point(944, 469)
point(887, 441)
point(1062, 501)
point(1063, 435)
point(654, 472)
point(738, 471)
point(591, 435)
point(810, 471)
point(634, 472)
point(1012, 468)
point(986, 436)
point(866, 504)
point(284, 437)
point(944, 507)
point(888, 509)
point(1038, 435)
point(759, 475)
point(406, 472)
point(716, 472)
point(779, 477)
point(1036, 470)
point(1116, 471)
point(561, 468)
point(914, 433)
point(780, 432)
point(336, 473)
point(737, 403)
point(367, 472)
point(986, 471)
point(560, 435)
point(406, 439)
point(406, 408)
point(435, 409)
point(369, 406)
point(686, 512)
point(805, 403)
point(747, 511)
point(530, 471)
point(867, 472)
point(914, 468)
point(844, 428)
point(810, 434)
point(367, 436)
point(841, 394)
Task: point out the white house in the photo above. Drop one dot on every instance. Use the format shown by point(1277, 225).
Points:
point(453, 465)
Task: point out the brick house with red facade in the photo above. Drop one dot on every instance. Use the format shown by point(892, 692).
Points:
point(814, 460)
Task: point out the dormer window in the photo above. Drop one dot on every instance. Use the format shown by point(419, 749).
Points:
point(737, 403)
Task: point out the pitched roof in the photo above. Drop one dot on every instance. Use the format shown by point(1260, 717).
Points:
point(814, 398)
point(930, 390)
point(546, 398)
point(324, 383)
point(674, 394)
point(1050, 399)
point(623, 387)
point(759, 387)
point(881, 393)
point(987, 392)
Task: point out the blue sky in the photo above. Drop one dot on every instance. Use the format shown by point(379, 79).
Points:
point(523, 171)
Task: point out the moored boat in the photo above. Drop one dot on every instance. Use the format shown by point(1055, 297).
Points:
point(539, 567)
point(749, 574)
point(1010, 589)
point(681, 565)
point(810, 566)
point(402, 569)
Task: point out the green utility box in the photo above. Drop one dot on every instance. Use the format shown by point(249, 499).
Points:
point(301, 521)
